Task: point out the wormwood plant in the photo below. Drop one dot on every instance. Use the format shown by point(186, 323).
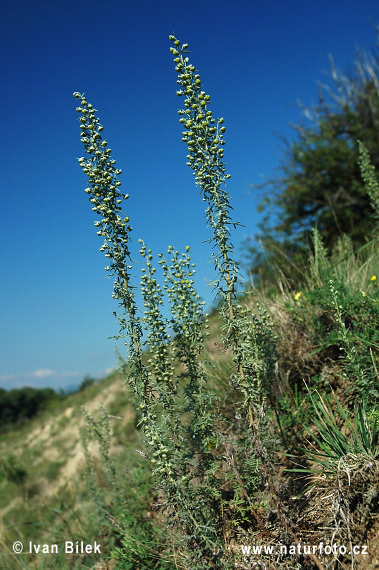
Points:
point(195, 457)
point(204, 138)
point(353, 314)
point(98, 429)
point(368, 175)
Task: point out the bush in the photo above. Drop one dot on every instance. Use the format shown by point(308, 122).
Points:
point(23, 404)
point(210, 443)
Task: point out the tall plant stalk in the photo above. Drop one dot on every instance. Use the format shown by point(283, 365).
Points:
point(177, 406)
point(204, 136)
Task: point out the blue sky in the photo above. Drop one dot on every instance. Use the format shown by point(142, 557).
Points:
point(255, 59)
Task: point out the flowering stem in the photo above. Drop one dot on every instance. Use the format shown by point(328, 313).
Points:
point(204, 137)
point(106, 199)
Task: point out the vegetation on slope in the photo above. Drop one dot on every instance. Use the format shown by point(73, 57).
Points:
point(257, 426)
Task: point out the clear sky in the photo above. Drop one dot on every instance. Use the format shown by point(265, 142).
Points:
point(255, 59)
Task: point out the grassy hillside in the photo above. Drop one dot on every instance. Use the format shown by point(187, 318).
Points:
point(43, 495)
point(48, 496)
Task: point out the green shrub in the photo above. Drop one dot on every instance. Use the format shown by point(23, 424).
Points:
point(11, 470)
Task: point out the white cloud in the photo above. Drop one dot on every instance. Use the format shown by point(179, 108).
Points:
point(43, 373)
point(40, 374)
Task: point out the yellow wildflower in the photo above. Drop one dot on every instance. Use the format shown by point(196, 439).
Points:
point(373, 278)
point(297, 296)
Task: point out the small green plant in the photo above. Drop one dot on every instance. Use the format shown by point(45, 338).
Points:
point(127, 496)
point(344, 467)
point(339, 436)
point(369, 178)
point(11, 470)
